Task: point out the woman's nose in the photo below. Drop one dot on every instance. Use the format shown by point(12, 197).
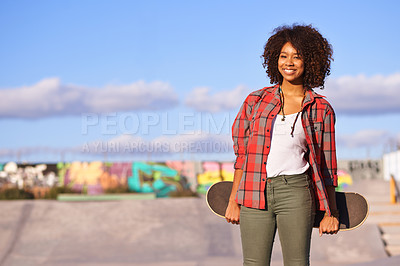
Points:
point(289, 62)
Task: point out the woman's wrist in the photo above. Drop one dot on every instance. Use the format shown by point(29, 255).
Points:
point(334, 213)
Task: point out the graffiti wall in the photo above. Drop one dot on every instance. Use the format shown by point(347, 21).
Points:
point(28, 175)
point(344, 180)
point(97, 177)
point(160, 178)
point(213, 172)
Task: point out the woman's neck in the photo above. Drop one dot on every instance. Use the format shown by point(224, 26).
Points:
point(290, 89)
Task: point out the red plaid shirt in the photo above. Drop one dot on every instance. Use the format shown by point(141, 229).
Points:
point(251, 133)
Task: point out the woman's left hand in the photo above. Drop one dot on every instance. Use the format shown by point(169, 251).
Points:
point(329, 225)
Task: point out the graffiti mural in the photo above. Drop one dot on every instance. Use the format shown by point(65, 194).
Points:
point(116, 174)
point(188, 169)
point(93, 177)
point(98, 177)
point(28, 175)
point(155, 178)
point(161, 178)
point(213, 172)
point(344, 180)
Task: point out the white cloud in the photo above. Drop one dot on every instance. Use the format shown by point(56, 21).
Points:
point(50, 97)
point(353, 95)
point(201, 100)
point(362, 95)
point(139, 95)
point(365, 138)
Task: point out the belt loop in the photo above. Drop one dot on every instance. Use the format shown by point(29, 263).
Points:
point(284, 179)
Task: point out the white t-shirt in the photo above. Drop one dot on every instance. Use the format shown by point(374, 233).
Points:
point(286, 155)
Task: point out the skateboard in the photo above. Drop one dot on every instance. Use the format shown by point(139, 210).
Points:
point(353, 207)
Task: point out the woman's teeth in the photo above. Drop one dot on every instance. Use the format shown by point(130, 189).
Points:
point(289, 71)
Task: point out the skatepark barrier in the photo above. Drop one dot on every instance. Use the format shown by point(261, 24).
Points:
point(394, 190)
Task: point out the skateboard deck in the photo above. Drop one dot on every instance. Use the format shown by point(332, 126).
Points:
point(353, 207)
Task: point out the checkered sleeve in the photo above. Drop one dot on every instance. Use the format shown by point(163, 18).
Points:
point(240, 133)
point(329, 161)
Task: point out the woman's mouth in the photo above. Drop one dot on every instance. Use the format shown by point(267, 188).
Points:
point(289, 71)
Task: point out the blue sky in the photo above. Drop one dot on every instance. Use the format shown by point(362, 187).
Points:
point(79, 75)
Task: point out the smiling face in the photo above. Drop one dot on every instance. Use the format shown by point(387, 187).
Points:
point(291, 65)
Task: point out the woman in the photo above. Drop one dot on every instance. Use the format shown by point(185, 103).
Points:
point(284, 140)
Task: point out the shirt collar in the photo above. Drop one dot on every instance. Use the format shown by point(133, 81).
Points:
point(310, 94)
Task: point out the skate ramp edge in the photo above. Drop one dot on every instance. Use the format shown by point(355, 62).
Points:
point(149, 232)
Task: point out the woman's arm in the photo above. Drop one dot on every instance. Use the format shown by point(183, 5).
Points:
point(332, 198)
point(232, 214)
point(330, 223)
point(240, 135)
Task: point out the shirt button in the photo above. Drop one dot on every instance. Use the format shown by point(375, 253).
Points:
point(267, 130)
point(263, 179)
point(272, 115)
point(265, 162)
point(267, 147)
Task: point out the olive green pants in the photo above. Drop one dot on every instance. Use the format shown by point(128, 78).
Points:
point(291, 210)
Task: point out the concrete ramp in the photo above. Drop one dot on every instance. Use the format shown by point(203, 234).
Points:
point(361, 245)
point(391, 261)
point(146, 232)
point(167, 232)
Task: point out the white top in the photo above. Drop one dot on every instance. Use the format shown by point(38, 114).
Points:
point(286, 155)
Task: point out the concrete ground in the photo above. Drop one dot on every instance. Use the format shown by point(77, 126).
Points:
point(166, 232)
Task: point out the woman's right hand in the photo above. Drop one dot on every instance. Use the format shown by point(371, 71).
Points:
point(232, 213)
